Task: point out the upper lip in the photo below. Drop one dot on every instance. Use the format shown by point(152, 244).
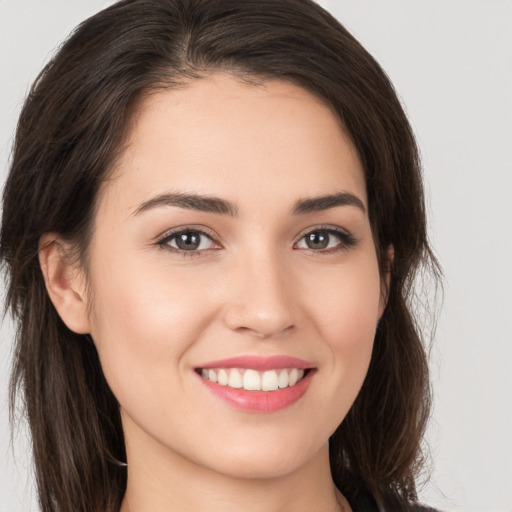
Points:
point(260, 363)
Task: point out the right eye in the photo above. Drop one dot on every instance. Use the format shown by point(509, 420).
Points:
point(188, 240)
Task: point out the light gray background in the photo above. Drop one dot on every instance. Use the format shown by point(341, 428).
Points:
point(451, 64)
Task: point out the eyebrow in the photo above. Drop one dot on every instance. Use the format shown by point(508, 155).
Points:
point(210, 204)
point(191, 202)
point(321, 203)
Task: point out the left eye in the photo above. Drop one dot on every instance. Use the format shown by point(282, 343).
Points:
point(189, 240)
point(321, 239)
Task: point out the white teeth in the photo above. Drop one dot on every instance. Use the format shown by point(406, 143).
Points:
point(235, 379)
point(223, 377)
point(253, 380)
point(269, 381)
point(293, 377)
point(283, 379)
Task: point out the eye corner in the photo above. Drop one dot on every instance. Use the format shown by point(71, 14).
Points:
point(196, 248)
point(346, 239)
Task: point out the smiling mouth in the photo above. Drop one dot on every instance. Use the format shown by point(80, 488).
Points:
point(254, 380)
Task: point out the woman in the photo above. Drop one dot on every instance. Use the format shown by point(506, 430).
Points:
point(222, 219)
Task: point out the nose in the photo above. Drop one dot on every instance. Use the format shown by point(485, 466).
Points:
point(261, 299)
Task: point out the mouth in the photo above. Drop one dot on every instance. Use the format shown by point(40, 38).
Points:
point(258, 384)
point(254, 380)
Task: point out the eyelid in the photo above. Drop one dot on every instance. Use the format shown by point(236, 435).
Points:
point(163, 239)
point(347, 239)
point(186, 227)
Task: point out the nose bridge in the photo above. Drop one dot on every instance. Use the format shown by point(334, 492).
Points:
point(261, 303)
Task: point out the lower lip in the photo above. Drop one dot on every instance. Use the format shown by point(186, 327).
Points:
point(261, 401)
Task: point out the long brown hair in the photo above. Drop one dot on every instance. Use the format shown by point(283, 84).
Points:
point(70, 132)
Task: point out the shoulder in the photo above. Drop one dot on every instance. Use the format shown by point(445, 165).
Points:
point(418, 507)
point(364, 502)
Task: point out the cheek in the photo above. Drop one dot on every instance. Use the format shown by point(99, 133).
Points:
point(143, 324)
point(347, 310)
point(347, 302)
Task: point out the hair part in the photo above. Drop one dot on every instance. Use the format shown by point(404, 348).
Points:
point(71, 131)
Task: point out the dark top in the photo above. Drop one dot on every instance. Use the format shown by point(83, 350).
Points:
point(364, 502)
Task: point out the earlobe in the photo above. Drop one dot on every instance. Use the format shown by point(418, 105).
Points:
point(64, 282)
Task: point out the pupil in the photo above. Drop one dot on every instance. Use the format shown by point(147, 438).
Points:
point(188, 241)
point(317, 240)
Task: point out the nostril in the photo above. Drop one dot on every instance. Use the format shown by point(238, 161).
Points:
point(264, 331)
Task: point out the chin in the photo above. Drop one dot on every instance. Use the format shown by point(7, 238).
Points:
point(266, 459)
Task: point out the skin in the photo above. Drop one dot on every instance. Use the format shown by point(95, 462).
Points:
point(254, 287)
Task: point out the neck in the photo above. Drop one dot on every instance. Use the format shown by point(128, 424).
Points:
point(163, 481)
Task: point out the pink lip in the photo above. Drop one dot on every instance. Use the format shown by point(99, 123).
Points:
point(260, 401)
point(260, 363)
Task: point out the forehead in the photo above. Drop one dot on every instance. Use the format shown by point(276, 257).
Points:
point(221, 136)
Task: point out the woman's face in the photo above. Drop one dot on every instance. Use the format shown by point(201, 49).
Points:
point(232, 244)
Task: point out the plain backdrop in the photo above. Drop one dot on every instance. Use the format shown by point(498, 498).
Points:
point(451, 64)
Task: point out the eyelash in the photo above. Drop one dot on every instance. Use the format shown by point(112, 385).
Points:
point(346, 240)
point(164, 241)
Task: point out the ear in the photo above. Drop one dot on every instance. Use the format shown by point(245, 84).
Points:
point(65, 282)
point(386, 279)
